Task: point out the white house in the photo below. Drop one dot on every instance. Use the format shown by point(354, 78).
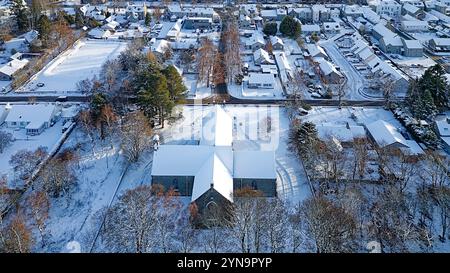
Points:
point(283, 66)
point(98, 33)
point(30, 36)
point(8, 70)
point(261, 56)
point(255, 42)
point(316, 51)
point(331, 27)
point(4, 111)
point(414, 26)
point(443, 129)
point(390, 8)
point(385, 135)
point(310, 29)
point(277, 43)
point(261, 81)
point(34, 118)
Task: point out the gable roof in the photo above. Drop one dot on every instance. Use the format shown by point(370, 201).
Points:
point(385, 134)
point(217, 128)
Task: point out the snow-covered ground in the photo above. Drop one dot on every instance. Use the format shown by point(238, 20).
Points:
point(83, 60)
point(196, 90)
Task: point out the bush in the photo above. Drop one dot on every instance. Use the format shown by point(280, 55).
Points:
point(270, 29)
point(306, 106)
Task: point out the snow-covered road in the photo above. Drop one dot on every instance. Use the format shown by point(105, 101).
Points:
point(355, 81)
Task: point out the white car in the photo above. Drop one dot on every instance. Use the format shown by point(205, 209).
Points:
point(316, 95)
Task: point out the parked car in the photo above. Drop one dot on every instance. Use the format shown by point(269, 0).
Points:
point(316, 95)
point(61, 99)
point(41, 84)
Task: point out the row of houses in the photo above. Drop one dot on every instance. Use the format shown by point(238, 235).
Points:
point(392, 43)
point(378, 67)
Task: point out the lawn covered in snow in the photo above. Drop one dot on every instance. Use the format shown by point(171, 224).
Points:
point(83, 60)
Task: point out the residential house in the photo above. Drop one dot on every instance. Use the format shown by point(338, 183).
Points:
point(414, 26)
point(412, 48)
point(261, 80)
point(34, 118)
point(391, 45)
point(442, 127)
point(8, 70)
point(389, 8)
point(331, 27)
point(277, 43)
point(261, 56)
point(197, 23)
point(440, 44)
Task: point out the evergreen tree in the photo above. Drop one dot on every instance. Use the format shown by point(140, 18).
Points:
point(36, 8)
point(79, 21)
point(290, 27)
point(44, 27)
point(270, 28)
point(175, 84)
point(98, 101)
point(148, 19)
point(153, 93)
point(435, 82)
point(420, 102)
point(303, 138)
point(21, 13)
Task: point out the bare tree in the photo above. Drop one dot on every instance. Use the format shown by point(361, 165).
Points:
point(276, 225)
point(232, 55)
point(57, 177)
point(388, 85)
point(136, 133)
point(205, 61)
point(391, 221)
point(16, 237)
point(24, 162)
point(39, 206)
point(330, 227)
point(129, 224)
point(361, 155)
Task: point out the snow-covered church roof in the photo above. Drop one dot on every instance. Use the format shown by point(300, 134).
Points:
point(213, 163)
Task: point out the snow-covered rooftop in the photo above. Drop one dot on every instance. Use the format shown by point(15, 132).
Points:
point(385, 134)
point(251, 164)
point(35, 113)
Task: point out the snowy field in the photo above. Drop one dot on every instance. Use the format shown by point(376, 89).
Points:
point(83, 60)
